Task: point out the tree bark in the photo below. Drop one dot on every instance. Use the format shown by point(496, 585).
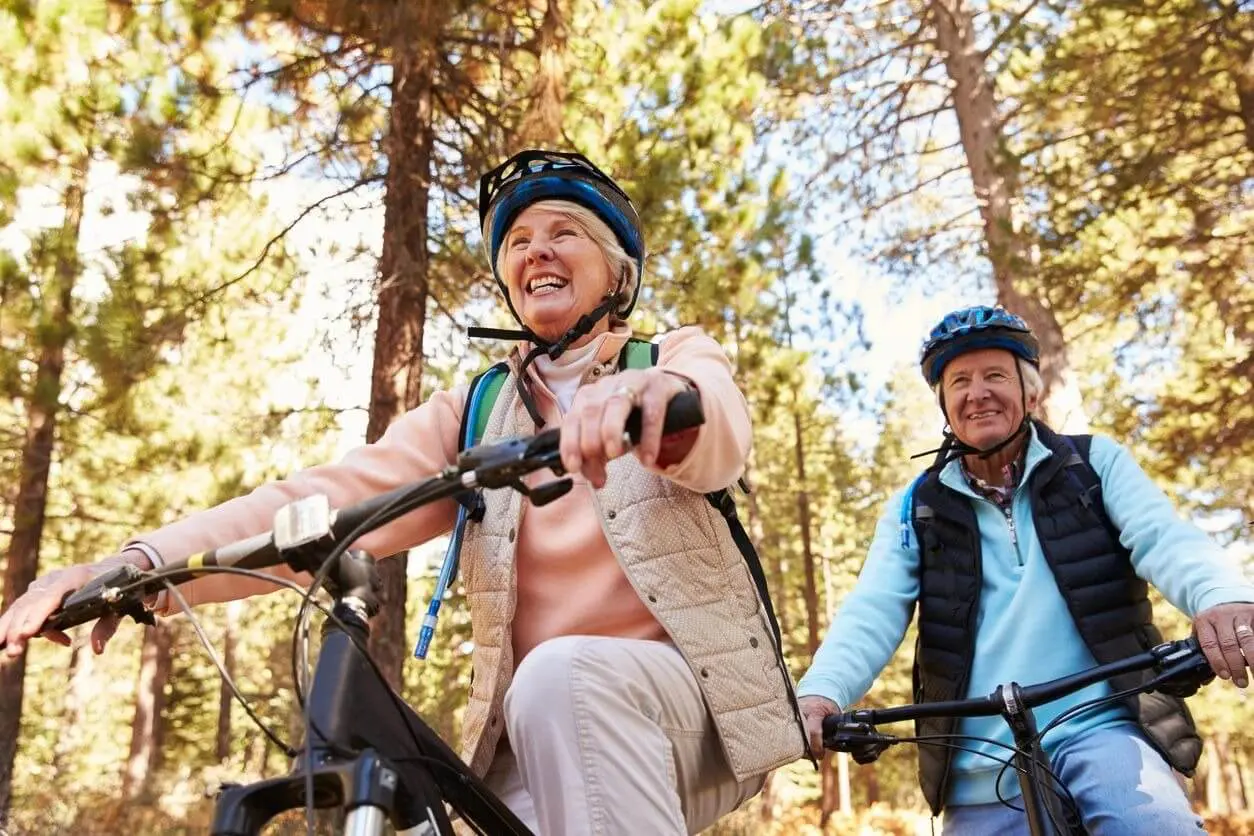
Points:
point(830, 800)
point(871, 779)
point(1216, 797)
point(1244, 78)
point(807, 546)
point(81, 692)
point(42, 410)
point(396, 379)
point(996, 187)
point(148, 725)
point(542, 124)
point(222, 741)
point(842, 782)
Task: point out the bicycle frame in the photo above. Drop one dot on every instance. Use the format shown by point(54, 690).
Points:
point(389, 780)
point(1181, 665)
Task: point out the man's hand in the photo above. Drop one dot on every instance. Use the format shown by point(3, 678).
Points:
point(813, 710)
point(1226, 634)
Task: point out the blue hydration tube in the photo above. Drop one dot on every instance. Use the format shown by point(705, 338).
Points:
point(448, 570)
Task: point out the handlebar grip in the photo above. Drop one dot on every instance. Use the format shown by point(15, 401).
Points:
point(682, 413)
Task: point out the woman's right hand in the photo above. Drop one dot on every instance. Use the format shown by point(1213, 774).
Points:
point(29, 612)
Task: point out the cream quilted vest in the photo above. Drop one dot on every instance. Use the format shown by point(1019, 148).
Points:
point(679, 555)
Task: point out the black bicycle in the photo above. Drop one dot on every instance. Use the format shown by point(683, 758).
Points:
point(1180, 667)
point(365, 751)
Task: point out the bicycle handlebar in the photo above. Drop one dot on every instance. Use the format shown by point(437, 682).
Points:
point(1181, 664)
point(300, 524)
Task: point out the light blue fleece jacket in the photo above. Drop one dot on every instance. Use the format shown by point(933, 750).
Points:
point(1024, 632)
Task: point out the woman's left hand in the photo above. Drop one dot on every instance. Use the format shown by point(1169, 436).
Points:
point(592, 431)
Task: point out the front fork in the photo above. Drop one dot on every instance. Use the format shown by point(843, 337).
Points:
point(1047, 815)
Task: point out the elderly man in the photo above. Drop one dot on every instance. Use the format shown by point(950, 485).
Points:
point(1028, 553)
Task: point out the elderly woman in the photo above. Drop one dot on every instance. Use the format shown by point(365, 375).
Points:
point(627, 679)
point(1028, 553)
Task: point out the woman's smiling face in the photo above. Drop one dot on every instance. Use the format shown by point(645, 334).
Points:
point(554, 270)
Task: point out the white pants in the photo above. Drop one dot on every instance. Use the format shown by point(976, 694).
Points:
point(610, 736)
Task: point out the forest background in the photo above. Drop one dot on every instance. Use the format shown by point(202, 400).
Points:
point(237, 238)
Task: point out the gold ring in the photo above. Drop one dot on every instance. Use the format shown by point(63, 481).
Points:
point(628, 391)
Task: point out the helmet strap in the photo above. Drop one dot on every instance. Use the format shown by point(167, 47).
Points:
point(542, 346)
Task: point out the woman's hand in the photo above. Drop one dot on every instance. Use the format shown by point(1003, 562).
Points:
point(592, 431)
point(32, 608)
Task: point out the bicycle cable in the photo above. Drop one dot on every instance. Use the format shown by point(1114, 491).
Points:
point(286, 748)
point(1073, 711)
point(1056, 786)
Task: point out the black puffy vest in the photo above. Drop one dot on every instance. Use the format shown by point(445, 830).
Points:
point(1107, 601)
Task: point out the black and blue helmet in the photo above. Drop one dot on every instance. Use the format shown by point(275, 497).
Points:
point(534, 175)
point(970, 329)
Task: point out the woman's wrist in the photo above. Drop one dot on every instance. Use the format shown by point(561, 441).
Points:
point(144, 557)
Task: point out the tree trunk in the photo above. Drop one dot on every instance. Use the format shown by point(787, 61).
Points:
point(992, 175)
point(222, 742)
point(148, 725)
point(842, 780)
point(38, 448)
point(830, 799)
point(1233, 794)
point(1244, 78)
point(807, 546)
point(871, 779)
point(396, 379)
point(81, 693)
point(1216, 798)
point(542, 124)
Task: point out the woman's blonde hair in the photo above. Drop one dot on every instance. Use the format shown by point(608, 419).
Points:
point(622, 266)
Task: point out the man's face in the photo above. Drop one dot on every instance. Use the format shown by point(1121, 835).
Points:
point(983, 397)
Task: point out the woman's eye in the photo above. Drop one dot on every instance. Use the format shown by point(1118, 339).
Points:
point(563, 232)
point(519, 242)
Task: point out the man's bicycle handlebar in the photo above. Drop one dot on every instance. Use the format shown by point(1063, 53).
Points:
point(1181, 670)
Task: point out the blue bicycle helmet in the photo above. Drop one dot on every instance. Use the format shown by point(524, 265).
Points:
point(534, 175)
point(974, 328)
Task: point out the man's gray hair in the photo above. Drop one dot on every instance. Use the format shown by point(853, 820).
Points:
point(1033, 385)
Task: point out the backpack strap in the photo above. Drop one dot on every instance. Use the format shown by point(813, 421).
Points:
point(638, 354)
point(906, 519)
point(484, 390)
point(1080, 471)
point(483, 393)
point(642, 354)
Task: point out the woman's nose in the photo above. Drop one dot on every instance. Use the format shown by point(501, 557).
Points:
point(539, 251)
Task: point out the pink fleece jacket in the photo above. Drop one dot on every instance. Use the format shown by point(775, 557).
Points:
point(569, 582)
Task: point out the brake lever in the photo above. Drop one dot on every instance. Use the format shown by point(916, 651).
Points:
point(1182, 669)
point(860, 740)
point(102, 596)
